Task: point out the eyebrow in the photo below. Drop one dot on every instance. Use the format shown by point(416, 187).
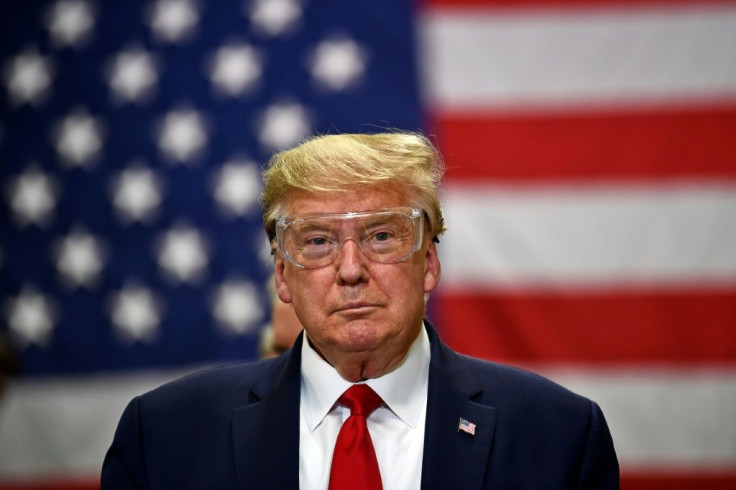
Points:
point(309, 224)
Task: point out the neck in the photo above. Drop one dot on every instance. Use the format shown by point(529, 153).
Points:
point(360, 366)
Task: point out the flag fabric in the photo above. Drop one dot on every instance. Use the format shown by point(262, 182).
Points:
point(133, 136)
point(590, 199)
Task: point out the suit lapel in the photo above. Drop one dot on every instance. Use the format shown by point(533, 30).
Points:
point(266, 431)
point(454, 458)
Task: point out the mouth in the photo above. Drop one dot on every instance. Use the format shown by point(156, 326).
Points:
point(355, 307)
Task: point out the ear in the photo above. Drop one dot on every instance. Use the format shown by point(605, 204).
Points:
point(433, 269)
point(282, 289)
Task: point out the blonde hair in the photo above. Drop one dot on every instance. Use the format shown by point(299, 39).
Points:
point(336, 163)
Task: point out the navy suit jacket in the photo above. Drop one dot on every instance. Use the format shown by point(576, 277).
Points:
point(237, 427)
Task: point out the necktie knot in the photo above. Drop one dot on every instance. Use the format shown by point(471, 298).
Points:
point(361, 400)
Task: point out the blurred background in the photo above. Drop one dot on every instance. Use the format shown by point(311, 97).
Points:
point(590, 198)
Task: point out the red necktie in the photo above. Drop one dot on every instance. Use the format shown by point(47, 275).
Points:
point(354, 463)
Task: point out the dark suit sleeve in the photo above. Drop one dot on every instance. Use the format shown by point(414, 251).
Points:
point(599, 469)
point(123, 466)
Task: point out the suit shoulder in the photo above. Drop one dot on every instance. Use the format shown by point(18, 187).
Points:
point(229, 383)
point(523, 388)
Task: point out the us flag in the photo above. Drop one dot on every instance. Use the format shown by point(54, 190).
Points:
point(466, 426)
point(590, 199)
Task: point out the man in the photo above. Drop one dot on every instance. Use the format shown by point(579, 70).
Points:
point(353, 221)
point(8, 363)
point(278, 336)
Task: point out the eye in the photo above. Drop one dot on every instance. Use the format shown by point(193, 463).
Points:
point(382, 236)
point(317, 240)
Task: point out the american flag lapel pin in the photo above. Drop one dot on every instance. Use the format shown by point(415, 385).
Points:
point(466, 426)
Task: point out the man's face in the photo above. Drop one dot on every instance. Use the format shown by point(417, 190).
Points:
point(361, 316)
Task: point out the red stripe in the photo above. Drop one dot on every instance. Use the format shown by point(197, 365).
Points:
point(686, 326)
point(51, 484)
point(669, 144)
point(725, 481)
point(628, 482)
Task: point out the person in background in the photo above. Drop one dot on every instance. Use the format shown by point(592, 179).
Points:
point(278, 336)
point(9, 366)
point(369, 397)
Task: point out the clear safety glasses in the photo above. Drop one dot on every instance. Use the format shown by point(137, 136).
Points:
point(387, 236)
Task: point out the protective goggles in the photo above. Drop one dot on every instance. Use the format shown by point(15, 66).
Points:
point(387, 236)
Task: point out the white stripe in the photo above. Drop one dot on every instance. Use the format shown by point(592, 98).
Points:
point(677, 419)
point(61, 427)
point(474, 59)
point(681, 418)
point(623, 236)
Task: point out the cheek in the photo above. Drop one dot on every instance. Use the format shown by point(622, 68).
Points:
point(307, 289)
point(403, 289)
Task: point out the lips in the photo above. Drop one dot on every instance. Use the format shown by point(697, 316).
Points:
point(354, 306)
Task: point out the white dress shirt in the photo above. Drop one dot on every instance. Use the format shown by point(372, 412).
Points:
point(396, 428)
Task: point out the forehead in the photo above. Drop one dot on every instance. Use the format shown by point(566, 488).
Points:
point(364, 198)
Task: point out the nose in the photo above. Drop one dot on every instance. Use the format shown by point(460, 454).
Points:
point(351, 263)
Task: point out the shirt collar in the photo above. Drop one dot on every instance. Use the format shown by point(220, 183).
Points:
point(404, 390)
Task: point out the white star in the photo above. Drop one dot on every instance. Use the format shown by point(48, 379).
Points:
point(79, 258)
point(32, 197)
point(136, 193)
point(27, 78)
point(282, 125)
point(79, 139)
point(183, 254)
point(236, 306)
point(132, 75)
point(183, 135)
point(275, 17)
point(31, 317)
point(173, 20)
point(234, 69)
point(70, 22)
point(237, 186)
point(338, 64)
point(135, 313)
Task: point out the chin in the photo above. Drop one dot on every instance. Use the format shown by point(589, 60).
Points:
point(362, 335)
